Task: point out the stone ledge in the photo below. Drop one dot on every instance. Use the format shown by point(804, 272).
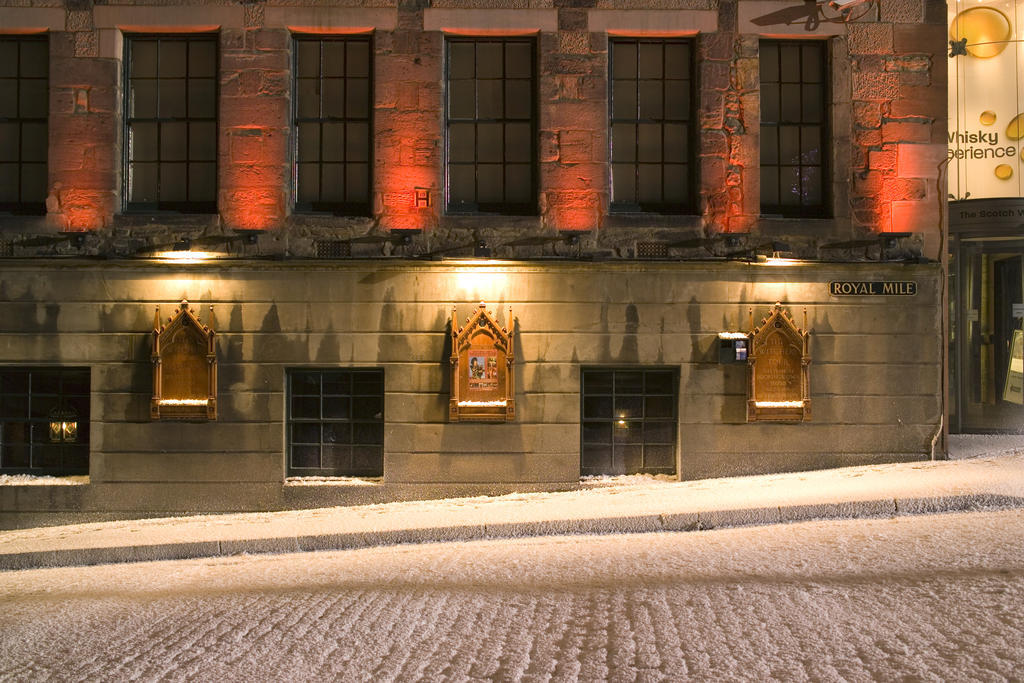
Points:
point(653, 22)
point(496, 20)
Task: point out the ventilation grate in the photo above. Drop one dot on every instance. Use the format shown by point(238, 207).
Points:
point(332, 249)
point(651, 250)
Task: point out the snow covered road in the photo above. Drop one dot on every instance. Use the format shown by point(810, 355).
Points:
point(936, 597)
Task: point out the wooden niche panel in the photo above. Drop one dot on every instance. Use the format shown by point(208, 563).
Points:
point(779, 363)
point(184, 367)
point(481, 367)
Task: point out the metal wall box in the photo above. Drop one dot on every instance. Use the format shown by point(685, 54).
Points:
point(733, 347)
point(184, 367)
point(779, 369)
point(482, 388)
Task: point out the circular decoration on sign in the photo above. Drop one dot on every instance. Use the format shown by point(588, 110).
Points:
point(987, 31)
point(1004, 171)
point(1015, 129)
point(987, 117)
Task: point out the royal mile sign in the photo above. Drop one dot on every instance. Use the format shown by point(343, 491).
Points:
point(872, 288)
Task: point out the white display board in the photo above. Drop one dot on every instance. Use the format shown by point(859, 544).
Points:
point(986, 99)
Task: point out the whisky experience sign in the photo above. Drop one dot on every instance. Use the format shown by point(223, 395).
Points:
point(872, 288)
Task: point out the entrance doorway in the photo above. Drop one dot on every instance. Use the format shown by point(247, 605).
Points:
point(987, 341)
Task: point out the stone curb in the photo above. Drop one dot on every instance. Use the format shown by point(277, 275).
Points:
point(687, 521)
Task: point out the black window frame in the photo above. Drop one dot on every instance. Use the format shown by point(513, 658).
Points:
point(615, 119)
point(23, 205)
point(615, 421)
point(503, 207)
point(295, 424)
point(205, 206)
point(33, 420)
point(345, 207)
point(771, 131)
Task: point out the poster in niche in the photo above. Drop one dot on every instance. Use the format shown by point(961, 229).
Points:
point(483, 370)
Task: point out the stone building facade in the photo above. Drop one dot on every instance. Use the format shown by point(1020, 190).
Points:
point(658, 180)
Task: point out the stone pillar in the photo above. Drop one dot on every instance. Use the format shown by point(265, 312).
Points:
point(899, 120)
point(573, 109)
point(84, 126)
point(407, 123)
point(916, 122)
point(729, 119)
point(254, 124)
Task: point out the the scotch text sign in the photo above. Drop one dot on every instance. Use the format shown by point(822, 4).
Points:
point(872, 288)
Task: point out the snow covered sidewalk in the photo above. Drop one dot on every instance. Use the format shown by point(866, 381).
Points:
point(626, 504)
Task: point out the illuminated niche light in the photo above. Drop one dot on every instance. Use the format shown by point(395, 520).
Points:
point(483, 404)
point(184, 401)
point(779, 404)
point(186, 256)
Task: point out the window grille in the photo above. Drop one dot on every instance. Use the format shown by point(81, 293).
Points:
point(33, 399)
point(629, 421)
point(335, 422)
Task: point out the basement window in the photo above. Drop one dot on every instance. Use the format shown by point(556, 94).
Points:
point(44, 421)
point(629, 421)
point(335, 422)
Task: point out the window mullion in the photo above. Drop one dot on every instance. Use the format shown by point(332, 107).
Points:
point(636, 144)
point(188, 120)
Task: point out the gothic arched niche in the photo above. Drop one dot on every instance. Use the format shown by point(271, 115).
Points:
point(184, 367)
point(481, 367)
point(779, 362)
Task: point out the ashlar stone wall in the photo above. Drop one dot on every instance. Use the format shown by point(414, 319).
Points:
point(887, 123)
point(875, 372)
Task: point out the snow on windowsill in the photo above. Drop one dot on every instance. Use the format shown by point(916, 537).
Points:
point(606, 480)
point(331, 481)
point(36, 480)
